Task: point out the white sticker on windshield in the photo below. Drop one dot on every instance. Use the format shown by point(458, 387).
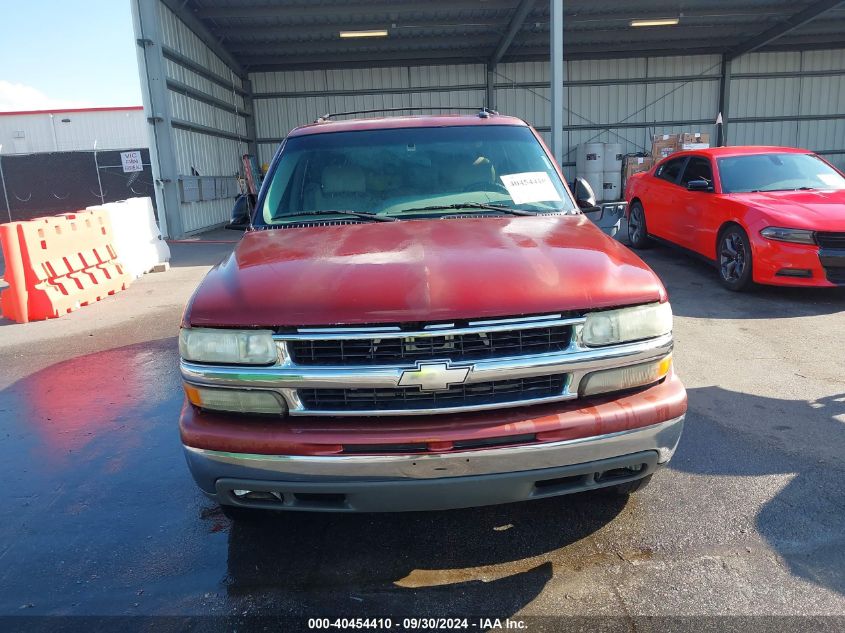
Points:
point(530, 186)
point(830, 179)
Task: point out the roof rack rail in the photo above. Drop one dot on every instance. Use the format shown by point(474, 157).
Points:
point(483, 112)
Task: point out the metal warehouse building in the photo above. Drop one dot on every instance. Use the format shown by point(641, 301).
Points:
point(70, 130)
point(222, 78)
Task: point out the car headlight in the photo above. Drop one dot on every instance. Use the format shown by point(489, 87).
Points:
point(622, 378)
point(627, 324)
point(231, 347)
point(798, 236)
point(237, 400)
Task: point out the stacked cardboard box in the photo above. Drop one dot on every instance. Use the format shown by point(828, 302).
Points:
point(635, 165)
point(695, 140)
point(664, 145)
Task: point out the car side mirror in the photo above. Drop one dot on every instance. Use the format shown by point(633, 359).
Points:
point(699, 185)
point(241, 218)
point(585, 197)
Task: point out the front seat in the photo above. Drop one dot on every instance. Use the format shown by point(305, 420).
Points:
point(342, 187)
point(459, 175)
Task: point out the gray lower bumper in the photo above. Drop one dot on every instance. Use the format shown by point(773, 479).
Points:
point(392, 483)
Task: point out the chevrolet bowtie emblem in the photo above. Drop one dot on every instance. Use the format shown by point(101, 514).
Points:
point(433, 376)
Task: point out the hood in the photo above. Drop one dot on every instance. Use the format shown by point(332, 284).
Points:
point(813, 210)
point(420, 270)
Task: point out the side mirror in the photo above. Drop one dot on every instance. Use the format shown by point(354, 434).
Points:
point(699, 185)
point(241, 218)
point(585, 197)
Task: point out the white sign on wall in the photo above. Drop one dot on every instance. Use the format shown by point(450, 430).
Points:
point(131, 161)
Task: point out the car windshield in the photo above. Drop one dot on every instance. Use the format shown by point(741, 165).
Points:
point(777, 172)
point(413, 172)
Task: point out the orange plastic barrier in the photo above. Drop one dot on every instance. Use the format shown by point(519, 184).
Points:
point(56, 264)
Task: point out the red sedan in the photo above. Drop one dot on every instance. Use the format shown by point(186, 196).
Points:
point(771, 215)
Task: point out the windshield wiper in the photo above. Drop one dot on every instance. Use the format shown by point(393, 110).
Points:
point(805, 188)
point(470, 205)
point(373, 217)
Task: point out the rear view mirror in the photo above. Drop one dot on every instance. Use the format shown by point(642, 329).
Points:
point(699, 185)
point(585, 197)
point(242, 212)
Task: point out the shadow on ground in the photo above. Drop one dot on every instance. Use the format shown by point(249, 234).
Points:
point(201, 253)
point(803, 522)
point(491, 561)
point(695, 291)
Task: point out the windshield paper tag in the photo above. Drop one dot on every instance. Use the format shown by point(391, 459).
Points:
point(530, 186)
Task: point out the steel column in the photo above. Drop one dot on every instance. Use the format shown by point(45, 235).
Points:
point(490, 93)
point(249, 104)
point(152, 70)
point(724, 101)
point(557, 64)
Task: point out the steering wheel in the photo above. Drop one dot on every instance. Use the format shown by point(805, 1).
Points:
point(485, 186)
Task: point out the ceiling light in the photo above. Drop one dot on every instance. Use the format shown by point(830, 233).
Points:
point(656, 22)
point(373, 33)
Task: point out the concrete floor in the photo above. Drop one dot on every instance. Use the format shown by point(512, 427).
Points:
point(101, 515)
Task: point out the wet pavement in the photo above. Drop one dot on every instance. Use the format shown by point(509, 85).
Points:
point(102, 518)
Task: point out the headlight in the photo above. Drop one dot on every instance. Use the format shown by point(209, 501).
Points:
point(627, 324)
point(799, 236)
point(623, 378)
point(238, 400)
point(231, 347)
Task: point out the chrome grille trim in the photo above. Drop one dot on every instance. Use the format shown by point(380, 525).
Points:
point(325, 334)
point(286, 377)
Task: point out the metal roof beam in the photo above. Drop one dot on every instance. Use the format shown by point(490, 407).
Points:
point(456, 56)
point(289, 31)
point(770, 35)
point(366, 8)
point(421, 46)
point(517, 20)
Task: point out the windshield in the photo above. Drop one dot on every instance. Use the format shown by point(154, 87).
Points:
point(405, 172)
point(777, 172)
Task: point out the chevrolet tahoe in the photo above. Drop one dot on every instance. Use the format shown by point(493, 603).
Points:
point(420, 317)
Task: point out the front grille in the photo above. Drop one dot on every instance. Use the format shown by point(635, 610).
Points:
point(405, 398)
point(835, 275)
point(455, 347)
point(831, 240)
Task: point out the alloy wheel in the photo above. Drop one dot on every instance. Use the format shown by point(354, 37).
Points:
point(733, 257)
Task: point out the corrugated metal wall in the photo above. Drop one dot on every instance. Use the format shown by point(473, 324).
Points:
point(284, 100)
point(209, 128)
point(70, 131)
point(625, 100)
point(804, 101)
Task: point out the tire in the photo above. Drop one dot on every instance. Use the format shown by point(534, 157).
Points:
point(630, 487)
point(733, 258)
point(236, 514)
point(637, 229)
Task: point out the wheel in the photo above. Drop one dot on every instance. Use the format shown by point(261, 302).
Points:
point(735, 265)
point(637, 231)
point(630, 487)
point(237, 514)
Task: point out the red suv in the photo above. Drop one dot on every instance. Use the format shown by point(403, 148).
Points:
point(420, 317)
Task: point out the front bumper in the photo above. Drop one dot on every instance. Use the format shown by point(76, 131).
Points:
point(775, 261)
point(397, 483)
point(357, 464)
